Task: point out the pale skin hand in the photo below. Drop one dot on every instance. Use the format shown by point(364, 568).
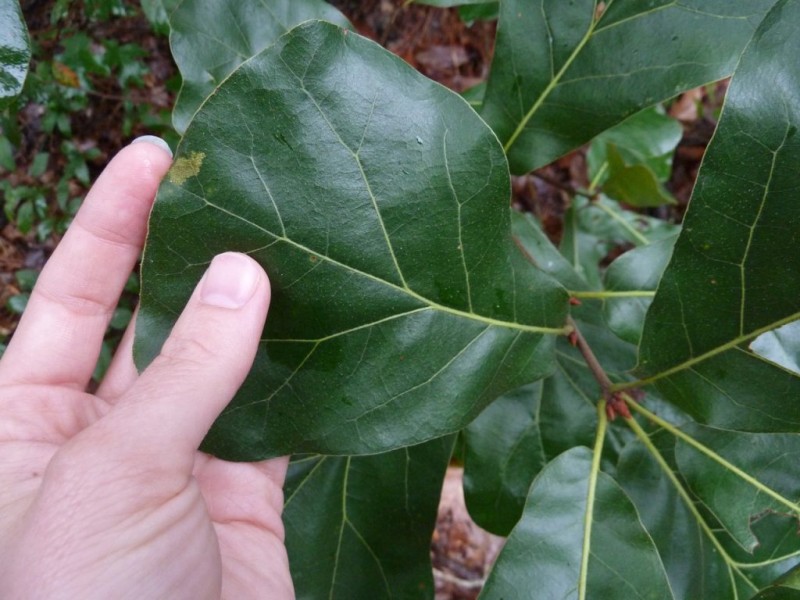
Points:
point(106, 496)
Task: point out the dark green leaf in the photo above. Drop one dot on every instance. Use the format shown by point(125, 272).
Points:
point(210, 39)
point(512, 440)
point(778, 592)
point(25, 216)
point(766, 479)
point(485, 11)
point(39, 164)
point(503, 454)
point(649, 137)
point(15, 51)
point(16, 304)
point(733, 273)
point(786, 588)
point(635, 185)
point(693, 563)
point(360, 527)
point(121, 318)
point(373, 206)
point(545, 550)
point(636, 273)
point(593, 229)
point(7, 161)
point(26, 279)
point(561, 74)
point(539, 250)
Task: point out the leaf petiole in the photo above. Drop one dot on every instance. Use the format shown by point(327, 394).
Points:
point(604, 294)
point(597, 451)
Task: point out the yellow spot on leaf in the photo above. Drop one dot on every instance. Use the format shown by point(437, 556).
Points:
point(185, 167)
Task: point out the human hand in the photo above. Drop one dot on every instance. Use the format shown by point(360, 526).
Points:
point(105, 496)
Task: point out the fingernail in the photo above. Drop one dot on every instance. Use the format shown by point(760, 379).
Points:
point(152, 139)
point(230, 281)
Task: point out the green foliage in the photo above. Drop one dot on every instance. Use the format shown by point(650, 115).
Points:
point(596, 70)
point(15, 51)
point(423, 327)
point(47, 159)
point(406, 298)
point(207, 53)
point(67, 66)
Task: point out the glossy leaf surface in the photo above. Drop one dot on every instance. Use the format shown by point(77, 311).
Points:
point(635, 273)
point(390, 291)
point(565, 71)
point(511, 441)
point(742, 476)
point(15, 50)
point(693, 563)
point(210, 39)
point(648, 138)
point(504, 452)
point(545, 550)
point(786, 588)
point(732, 274)
point(360, 527)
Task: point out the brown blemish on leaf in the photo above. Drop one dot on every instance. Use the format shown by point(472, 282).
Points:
point(185, 167)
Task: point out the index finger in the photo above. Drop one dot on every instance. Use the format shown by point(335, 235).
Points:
point(59, 337)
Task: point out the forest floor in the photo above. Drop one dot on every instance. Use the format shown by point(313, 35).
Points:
point(435, 41)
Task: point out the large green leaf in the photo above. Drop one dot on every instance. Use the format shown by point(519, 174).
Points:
point(561, 74)
point(701, 558)
point(786, 588)
point(15, 50)
point(378, 203)
point(510, 442)
point(504, 452)
point(360, 527)
point(574, 509)
point(733, 273)
point(210, 39)
point(693, 562)
point(740, 476)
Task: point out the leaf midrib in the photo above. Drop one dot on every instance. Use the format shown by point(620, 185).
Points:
point(405, 290)
point(707, 355)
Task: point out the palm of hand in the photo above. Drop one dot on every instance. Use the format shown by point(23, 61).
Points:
point(105, 496)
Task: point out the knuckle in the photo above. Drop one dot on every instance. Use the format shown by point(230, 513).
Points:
point(187, 351)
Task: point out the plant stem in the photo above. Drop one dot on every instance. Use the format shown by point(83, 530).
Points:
point(591, 359)
point(596, 181)
point(597, 451)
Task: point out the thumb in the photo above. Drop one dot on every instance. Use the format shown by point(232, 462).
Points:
point(201, 365)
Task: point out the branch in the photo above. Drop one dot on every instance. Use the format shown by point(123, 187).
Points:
point(591, 359)
point(614, 402)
